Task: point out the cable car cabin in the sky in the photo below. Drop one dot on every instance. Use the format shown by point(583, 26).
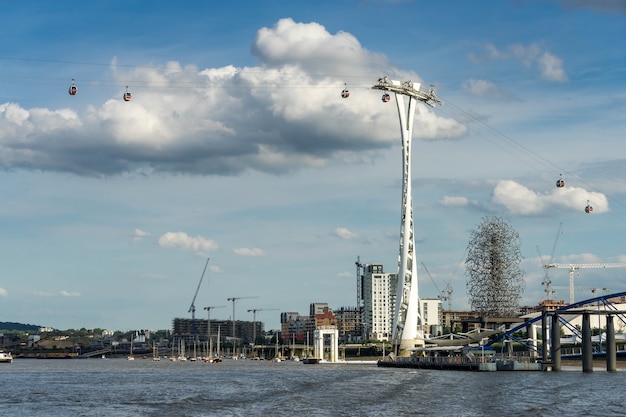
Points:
point(127, 95)
point(386, 98)
point(588, 208)
point(345, 93)
point(560, 183)
point(73, 89)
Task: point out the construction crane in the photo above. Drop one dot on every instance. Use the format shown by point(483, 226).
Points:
point(208, 324)
point(574, 267)
point(235, 299)
point(254, 310)
point(547, 282)
point(446, 294)
point(192, 308)
point(359, 295)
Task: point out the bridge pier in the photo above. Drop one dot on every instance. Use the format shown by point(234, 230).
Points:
point(556, 343)
point(611, 355)
point(544, 335)
point(587, 346)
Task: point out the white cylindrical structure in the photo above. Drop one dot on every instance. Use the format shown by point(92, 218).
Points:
point(407, 323)
point(407, 329)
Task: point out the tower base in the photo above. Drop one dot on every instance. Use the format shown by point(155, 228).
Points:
point(406, 346)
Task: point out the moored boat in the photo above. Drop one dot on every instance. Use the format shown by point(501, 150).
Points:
point(5, 357)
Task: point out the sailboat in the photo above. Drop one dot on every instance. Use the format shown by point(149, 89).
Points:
point(294, 357)
point(308, 359)
point(130, 356)
point(155, 352)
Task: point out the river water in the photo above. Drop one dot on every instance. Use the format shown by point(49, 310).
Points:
point(117, 387)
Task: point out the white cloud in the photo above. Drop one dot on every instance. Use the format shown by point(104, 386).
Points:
point(184, 241)
point(61, 293)
point(344, 233)
point(519, 200)
point(484, 88)
point(579, 258)
point(249, 252)
point(139, 234)
point(452, 201)
point(283, 115)
point(3, 292)
point(550, 66)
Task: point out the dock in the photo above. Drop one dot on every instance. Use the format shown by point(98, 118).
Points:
point(459, 363)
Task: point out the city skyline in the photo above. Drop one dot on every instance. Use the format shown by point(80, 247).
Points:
point(238, 146)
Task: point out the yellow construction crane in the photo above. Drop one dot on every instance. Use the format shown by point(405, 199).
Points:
point(574, 267)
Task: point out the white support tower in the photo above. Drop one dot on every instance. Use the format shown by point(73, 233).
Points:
point(407, 329)
point(574, 267)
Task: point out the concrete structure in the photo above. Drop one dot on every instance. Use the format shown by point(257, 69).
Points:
point(318, 343)
point(408, 326)
point(379, 294)
point(349, 324)
point(432, 314)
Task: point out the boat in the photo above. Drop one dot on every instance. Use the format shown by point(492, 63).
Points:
point(130, 357)
point(5, 357)
point(309, 360)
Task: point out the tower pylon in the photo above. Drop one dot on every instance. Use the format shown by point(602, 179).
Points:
point(408, 329)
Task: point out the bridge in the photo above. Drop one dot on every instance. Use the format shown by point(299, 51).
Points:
point(551, 323)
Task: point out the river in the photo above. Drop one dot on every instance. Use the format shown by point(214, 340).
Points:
point(117, 387)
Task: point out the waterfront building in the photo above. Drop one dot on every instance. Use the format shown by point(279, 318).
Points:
point(191, 331)
point(349, 324)
point(460, 320)
point(378, 294)
point(432, 315)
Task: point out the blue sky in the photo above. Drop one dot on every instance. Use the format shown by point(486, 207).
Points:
point(237, 146)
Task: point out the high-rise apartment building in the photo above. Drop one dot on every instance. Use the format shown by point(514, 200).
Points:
point(378, 292)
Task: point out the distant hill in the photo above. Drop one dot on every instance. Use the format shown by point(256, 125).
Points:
point(7, 326)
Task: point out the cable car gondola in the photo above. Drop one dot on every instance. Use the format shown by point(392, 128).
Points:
point(386, 98)
point(73, 89)
point(560, 183)
point(127, 95)
point(345, 93)
point(588, 209)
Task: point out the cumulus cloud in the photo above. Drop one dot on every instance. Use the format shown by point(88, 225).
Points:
point(549, 66)
point(284, 114)
point(484, 88)
point(344, 233)
point(139, 234)
point(580, 258)
point(184, 241)
point(249, 252)
point(452, 201)
point(520, 200)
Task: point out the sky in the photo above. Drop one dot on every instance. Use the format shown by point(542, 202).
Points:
point(237, 147)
